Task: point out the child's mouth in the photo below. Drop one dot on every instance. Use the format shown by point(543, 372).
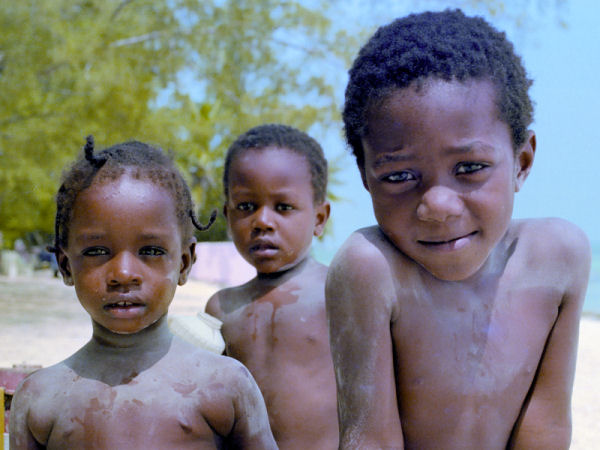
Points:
point(263, 249)
point(124, 308)
point(451, 243)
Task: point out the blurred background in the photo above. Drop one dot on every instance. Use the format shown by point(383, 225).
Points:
point(191, 75)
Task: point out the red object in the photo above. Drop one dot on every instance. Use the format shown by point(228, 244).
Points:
point(9, 380)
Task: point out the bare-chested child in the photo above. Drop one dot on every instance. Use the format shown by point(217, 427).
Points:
point(275, 184)
point(452, 326)
point(124, 239)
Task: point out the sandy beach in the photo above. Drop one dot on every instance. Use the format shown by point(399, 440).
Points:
point(46, 330)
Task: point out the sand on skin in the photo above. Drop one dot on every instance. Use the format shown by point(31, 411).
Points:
point(44, 333)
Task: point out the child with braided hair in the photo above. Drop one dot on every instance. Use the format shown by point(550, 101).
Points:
point(124, 239)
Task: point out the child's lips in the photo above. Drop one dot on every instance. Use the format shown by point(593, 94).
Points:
point(449, 244)
point(124, 308)
point(263, 248)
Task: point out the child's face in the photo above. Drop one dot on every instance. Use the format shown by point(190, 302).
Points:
point(270, 210)
point(125, 254)
point(442, 173)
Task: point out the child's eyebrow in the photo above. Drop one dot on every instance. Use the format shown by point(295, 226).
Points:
point(153, 236)
point(392, 157)
point(86, 237)
point(470, 148)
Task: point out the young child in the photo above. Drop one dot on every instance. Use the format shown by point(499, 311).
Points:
point(275, 183)
point(452, 326)
point(124, 239)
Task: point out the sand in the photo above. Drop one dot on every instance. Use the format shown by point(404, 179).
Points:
point(45, 331)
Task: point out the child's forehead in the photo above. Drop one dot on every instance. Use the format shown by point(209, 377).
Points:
point(270, 169)
point(284, 159)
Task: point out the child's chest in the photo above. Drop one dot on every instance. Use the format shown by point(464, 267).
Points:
point(273, 322)
point(478, 344)
point(141, 414)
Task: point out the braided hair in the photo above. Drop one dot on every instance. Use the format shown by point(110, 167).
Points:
point(142, 161)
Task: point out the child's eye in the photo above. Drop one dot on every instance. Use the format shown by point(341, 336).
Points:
point(399, 177)
point(284, 207)
point(152, 251)
point(95, 251)
point(466, 168)
point(245, 206)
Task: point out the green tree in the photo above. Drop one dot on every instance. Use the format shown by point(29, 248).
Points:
point(183, 74)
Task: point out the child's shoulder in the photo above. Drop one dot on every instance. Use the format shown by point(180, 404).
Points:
point(46, 380)
point(211, 369)
point(227, 299)
point(544, 238)
point(368, 256)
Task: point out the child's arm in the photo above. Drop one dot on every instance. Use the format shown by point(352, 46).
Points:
point(359, 295)
point(21, 436)
point(251, 429)
point(545, 420)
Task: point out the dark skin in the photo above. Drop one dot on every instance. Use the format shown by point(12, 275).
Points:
point(134, 385)
point(453, 326)
point(276, 324)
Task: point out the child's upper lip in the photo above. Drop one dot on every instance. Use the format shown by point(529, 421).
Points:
point(261, 244)
point(435, 240)
point(123, 300)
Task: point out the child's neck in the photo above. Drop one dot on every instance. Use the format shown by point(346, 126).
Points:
point(152, 337)
point(284, 275)
point(116, 359)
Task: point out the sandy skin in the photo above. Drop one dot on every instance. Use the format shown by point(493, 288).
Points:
point(109, 397)
point(451, 325)
point(275, 324)
point(277, 327)
point(134, 385)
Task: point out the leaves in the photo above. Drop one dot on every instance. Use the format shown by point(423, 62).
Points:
point(185, 75)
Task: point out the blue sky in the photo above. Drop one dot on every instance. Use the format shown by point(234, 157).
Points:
point(565, 66)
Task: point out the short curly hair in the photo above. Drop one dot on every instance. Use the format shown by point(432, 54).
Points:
point(282, 136)
point(142, 161)
point(446, 45)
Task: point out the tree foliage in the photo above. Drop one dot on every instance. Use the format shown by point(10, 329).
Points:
point(187, 75)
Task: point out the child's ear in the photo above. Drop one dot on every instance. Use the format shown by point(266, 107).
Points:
point(188, 258)
point(524, 160)
point(64, 266)
point(321, 216)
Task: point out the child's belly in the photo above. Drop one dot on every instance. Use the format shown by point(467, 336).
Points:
point(462, 377)
point(290, 359)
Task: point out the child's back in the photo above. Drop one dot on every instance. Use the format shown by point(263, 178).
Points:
point(276, 324)
point(124, 239)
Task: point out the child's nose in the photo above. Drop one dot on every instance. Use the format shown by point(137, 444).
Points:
point(263, 219)
point(123, 271)
point(438, 204)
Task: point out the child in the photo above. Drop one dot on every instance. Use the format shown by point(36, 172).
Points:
point(124, 239)
point(452, 326)
point(275, 182)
